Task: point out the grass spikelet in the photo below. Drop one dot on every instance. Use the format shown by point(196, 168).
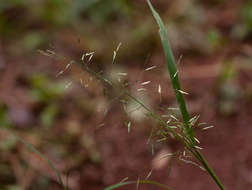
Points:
point(194, 119)
point(170, 108)
point(184, 153)
point(197, 140)
point(168, 121)
point(173, 117)
point(124, 179)
point(141, 89)
point(50, 51)
point(165, 115)
point(175, 74)
point(129, 125)
point(82, 57)
point(150, 68)
point(59, 73)
point(183, 92)
point(114, 56)
point(115, 52)
point(100, 125)
point(200, 148)
point(149, 174)
point(90, 57)
point(192, 163)
point(67, 66)
point(173, 127)
point(44, 53)
point(179, 60)
point(202, 123)
point(160, 91)
point(161, 140)
point(209, 127)
point(90, 53)
point(118, 47)
point(68, 85)
point(122, 74)
point(145, 83)
point(167, 155)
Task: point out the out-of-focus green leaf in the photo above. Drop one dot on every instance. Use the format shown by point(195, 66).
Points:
point(101, 11)
point(244, 28)
point(56, 12)
point(4, 117)
point(214, 38)
point(45, 90)
point(229, 72)
point(13, 187)
point(247, 15)
point(32, 40)
point(49, 114)
point(229, 90)
point(29, 42)
point(80, 6)
point(12, 3)
point(8, 143)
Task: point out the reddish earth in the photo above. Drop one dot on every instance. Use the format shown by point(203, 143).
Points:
point(227, 147)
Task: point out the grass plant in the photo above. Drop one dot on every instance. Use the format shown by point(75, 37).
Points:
point(186, 135)
point(179, 96)
point(180, 130)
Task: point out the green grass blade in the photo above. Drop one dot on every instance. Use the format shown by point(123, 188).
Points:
point(179, 96)
point(33, 149)
point(172, 71)
point(115, 186)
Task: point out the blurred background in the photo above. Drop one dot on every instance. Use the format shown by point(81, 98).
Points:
point(93, 137)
